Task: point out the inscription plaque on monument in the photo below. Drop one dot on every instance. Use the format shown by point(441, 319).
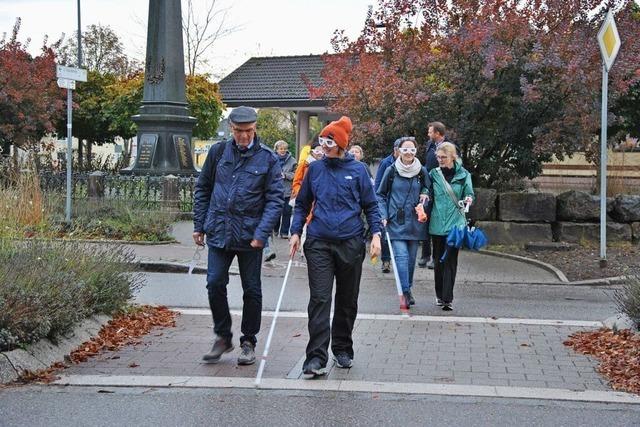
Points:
point(147, 150)
point(183, 151)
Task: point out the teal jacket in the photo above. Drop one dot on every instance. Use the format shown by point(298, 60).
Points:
point(445, 214)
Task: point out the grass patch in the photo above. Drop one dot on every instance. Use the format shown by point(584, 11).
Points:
point(47, 287)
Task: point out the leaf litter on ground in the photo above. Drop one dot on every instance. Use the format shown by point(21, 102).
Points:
point(124, 329)
point(618, 353)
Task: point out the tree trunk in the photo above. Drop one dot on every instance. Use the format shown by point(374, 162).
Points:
point(89, 163)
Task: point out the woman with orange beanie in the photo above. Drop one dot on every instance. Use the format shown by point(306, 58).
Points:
point(339, 189)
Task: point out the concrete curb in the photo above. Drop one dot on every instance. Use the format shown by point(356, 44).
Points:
point(176, 267)
point(550, 268)
point(350, 386)
point(45, 353)
point(606, 281)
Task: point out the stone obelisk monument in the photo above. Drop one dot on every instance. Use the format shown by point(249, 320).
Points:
point(164, 123)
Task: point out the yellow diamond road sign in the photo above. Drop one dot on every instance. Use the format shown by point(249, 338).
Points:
point(609, 40)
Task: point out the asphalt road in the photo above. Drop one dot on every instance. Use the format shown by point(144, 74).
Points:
point(471, 298)
point(70, 406)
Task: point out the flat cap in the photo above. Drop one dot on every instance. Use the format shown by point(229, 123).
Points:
point(243, 115)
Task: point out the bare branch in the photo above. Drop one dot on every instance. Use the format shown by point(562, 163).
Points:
point(201, 31)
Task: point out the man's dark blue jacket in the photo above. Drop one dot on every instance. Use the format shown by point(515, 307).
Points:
point(384, 164)
point(244, 199)
point(341, 190)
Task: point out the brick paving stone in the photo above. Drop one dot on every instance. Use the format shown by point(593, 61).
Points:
point(386, 350)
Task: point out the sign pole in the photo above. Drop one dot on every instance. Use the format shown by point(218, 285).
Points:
point(69, 154)
point(603, 169)
point(609, 41)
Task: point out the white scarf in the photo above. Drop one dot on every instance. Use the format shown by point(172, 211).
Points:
point(408, 171)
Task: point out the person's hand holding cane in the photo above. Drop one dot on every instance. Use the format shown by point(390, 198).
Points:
point(294, 245)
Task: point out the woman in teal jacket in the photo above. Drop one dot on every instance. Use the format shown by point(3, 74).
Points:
point(445, 215)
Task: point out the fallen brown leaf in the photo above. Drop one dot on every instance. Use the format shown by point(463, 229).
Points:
point(122, 330)
point(618, 353)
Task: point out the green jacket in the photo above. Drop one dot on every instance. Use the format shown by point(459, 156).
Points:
point(444, 214)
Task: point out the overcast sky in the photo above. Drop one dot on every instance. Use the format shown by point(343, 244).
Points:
point(269, 27)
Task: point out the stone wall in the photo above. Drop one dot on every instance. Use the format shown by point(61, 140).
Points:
point(515, 218)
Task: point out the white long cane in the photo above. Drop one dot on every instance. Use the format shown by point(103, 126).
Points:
point(404, 304)
point(273, 326)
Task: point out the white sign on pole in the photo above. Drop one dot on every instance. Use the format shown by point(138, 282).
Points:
point(609, 40)
point(71, 73)
point(67, 84)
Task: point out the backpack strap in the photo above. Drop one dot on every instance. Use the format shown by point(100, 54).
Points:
point(220, 147)
point(392, 175)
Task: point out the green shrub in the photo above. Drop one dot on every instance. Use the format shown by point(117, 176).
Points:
point(47, 287)
point(627, 297)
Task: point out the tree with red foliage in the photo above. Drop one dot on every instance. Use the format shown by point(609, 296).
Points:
point(30, 100)
point(515, 81)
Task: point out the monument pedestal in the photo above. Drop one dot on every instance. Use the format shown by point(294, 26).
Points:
point(164, 146)
point(164, 124)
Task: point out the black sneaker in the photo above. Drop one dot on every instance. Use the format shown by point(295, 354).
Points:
point(430, 264)
point(407, 299)
point(386, 267)
point(220, 347)
point(248, 354)
point(447, 306)
point(439, 302)
point(343, 360)
point(422, 262)
point(314, 369)
point(412, 301)
point(268, 254)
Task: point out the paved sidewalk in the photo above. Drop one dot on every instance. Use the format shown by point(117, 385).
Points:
point(396, 351)
point(472, 266)
point(430, 353)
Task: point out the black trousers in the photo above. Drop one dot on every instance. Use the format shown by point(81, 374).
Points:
point(326, 260)
point(444, 272)
point(426, 248)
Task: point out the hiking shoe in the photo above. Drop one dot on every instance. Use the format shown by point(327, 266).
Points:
point(343, 360)
point(411, 300)
point(439, 302)
point(313, 369)
point(220, 347)
point(268, 254)
point(430, 264)
point(248, 354)
point(447, 306)
point(386, 267)
point(422, 262)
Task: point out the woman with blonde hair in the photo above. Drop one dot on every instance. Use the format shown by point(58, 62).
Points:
point(451, 185)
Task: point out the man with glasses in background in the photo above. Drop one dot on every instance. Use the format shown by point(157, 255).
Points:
point(238, 200)
point(436, 132)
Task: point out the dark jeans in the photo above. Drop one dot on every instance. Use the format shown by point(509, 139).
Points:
point(445, 272)
point(284, 223)
point(249, 263)
point(341, 260)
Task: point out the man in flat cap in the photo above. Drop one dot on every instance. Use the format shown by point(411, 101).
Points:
point(238, 200)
